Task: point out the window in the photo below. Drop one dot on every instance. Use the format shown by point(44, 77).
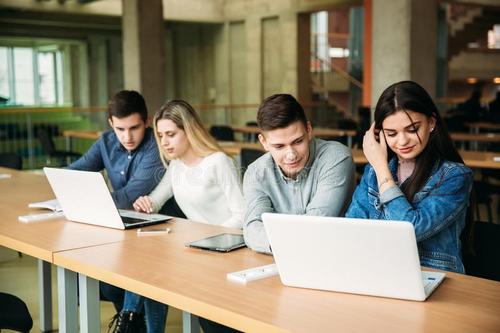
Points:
point(29, 76)
point(4, 76)
point(494, 37)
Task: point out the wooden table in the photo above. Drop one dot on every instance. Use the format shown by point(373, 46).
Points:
point(475, 138)
point(477, 126)
point(317, 131)
point(42, 239)
point(80, 134)
point(478, 137)
point(162, 268)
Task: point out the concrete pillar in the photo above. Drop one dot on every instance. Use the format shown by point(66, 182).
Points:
point(144, 50)
point(98, 70)
point(80, 85)
point(404, 44)
point(289, 50)
point(253, 33)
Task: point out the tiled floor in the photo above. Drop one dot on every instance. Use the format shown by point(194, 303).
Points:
point(18, 276)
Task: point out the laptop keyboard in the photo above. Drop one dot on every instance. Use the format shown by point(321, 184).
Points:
point(428, 286)
point(131, 220)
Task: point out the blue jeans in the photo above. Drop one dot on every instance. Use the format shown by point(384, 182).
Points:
point(113, 294)
point(155, 312)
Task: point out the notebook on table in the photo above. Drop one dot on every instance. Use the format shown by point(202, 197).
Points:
point(369, 257)
point(84, 197)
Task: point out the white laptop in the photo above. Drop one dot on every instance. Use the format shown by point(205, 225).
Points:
point(370, 257)
point(84, 197)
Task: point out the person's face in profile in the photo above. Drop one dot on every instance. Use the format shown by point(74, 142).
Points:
point(288, 146)
point(129, 130)
point(407, 133)
point(173, 140)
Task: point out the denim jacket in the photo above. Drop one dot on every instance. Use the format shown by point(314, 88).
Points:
point(437, 212)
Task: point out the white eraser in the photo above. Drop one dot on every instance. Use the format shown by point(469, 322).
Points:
point(252, 274)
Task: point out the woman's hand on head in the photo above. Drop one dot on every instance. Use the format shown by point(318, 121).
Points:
point(143, 204)
point(375, 150)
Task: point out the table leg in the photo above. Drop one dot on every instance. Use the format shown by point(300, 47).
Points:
point(90, 320)
point(45, 295)
point(190, 323)
point(68, 143)
point(67, 298)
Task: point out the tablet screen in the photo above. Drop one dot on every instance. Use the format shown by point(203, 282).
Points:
point(222, 243)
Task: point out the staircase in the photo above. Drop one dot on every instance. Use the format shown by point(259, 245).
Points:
point(471, 26)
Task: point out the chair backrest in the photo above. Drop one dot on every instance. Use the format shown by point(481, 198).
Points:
point(249, 155)
point(250, 137)
point(45, 140)
point(222, 133)
point(11, 160)
point(14, 314)
point(483, 262)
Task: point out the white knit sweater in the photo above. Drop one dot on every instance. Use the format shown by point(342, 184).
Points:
point(209, 192)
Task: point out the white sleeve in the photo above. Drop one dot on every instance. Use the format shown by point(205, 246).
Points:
point(228, 178)
point(162, 191)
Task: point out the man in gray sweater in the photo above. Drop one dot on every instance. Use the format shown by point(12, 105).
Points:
point(299, 175)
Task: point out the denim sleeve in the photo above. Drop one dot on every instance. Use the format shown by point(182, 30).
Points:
point(334, 189)
point(257, 202)
point(142, 181)
point(390, 194)
point(91, 161)
point(447, 199)
point(359, 204)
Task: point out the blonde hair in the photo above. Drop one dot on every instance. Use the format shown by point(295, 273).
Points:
point(182, 114)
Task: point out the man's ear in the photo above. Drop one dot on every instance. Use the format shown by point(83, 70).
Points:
point(110, 122)
point(148, 121)
point(263, 141)
point(309, 130)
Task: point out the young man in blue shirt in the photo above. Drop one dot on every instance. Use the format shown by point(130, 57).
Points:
point(129, 154)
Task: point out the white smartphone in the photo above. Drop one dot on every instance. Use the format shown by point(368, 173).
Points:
point(152, 231)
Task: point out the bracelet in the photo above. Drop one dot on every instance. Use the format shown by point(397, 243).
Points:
point(386, 180)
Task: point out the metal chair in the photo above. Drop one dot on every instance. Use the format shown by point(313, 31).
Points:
point(222, 133)
point(11, 160)
point(248, 156)
point(14, 314)
point(250, 137)
point(485, 256)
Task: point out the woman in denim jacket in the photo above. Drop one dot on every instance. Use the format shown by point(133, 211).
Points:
point(421, 178)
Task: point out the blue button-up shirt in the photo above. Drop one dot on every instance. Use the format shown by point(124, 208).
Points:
point(131, 173)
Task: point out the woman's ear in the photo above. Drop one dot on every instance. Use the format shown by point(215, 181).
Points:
point(432, 123)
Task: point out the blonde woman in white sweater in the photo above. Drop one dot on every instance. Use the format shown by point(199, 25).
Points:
point(204, 182)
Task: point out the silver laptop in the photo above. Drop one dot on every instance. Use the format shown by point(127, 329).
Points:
point(369, 257)
point(84, 197)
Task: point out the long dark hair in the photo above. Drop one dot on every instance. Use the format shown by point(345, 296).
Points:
point(410, 96)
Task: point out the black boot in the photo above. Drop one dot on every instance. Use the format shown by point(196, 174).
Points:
point(128, 322)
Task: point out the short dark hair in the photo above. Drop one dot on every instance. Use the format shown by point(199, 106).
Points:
point(126, 102)
point(279, 111)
